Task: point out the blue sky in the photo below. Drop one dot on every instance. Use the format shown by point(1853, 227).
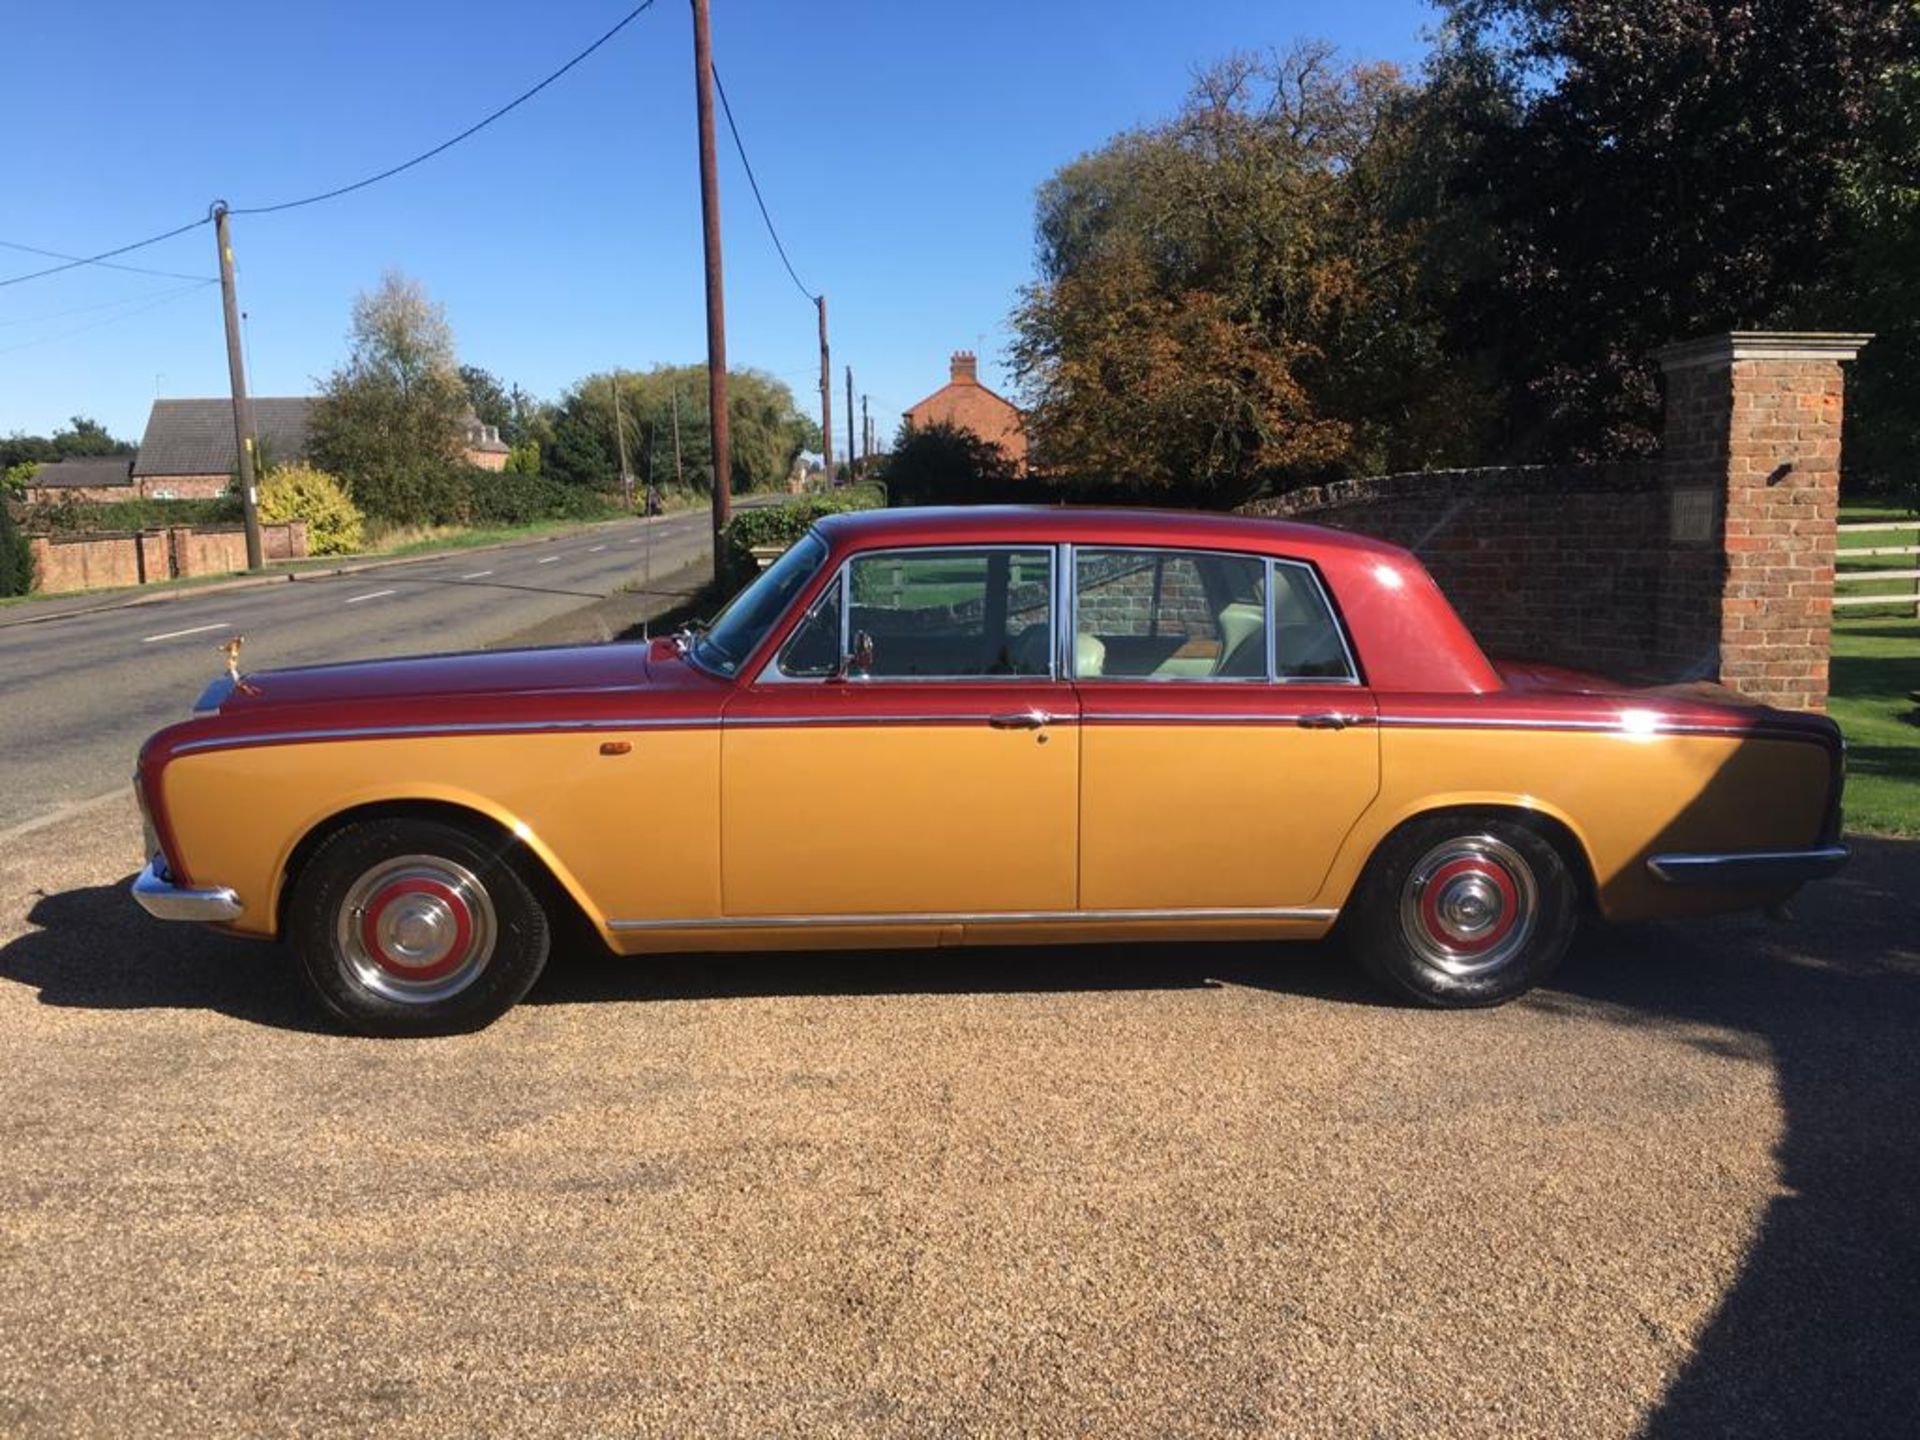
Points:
point(565, 238)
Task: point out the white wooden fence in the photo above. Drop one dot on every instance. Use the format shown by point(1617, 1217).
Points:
point(1906, 595)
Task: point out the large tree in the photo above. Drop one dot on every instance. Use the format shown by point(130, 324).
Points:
point(82, 437)
point(1648, 170)
point(1228, 300)
point(388, 421)
point(768, 429)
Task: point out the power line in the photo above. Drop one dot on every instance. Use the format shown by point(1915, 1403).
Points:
point(473, 129)
point(103, 264)
point(121, 303)
point(747, 165)
point(166, 298)
point(108, 254)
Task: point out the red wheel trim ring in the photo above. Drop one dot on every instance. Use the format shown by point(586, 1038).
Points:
point(1486, 869)
point(412, 885)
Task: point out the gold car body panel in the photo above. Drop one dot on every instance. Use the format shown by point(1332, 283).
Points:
point(629, 835)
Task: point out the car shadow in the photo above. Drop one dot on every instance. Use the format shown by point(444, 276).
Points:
point(1818, 1334)
point(93, 948)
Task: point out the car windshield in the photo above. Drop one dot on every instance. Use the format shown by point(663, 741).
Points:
point(738, 629)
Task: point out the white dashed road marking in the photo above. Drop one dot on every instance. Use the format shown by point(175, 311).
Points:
point(370, 595)
point(176, 634)
point(476, 575)
point(548, 561)
point(596, 549)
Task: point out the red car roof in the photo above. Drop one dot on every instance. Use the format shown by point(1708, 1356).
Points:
point(1100, 525)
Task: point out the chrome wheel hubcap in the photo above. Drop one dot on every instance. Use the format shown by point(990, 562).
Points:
point(416, 929)
point(1469, 906)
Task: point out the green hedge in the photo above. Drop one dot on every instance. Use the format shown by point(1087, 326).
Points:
point(16, 556)
point(781, 525)
point(74, 517)
point(508, 498)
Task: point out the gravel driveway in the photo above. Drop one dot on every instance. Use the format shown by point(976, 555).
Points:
point(1123, 1190)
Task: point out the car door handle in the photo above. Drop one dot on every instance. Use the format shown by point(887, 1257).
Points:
point(1330, 720)
point(1019, 720)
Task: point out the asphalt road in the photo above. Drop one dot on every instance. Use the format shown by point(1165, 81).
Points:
point(1114, 1191)
point(82, 691)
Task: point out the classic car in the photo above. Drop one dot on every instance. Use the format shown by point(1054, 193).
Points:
point(980, 726)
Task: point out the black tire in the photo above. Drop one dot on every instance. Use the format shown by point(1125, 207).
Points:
point(1462, 910)
point(416, 927)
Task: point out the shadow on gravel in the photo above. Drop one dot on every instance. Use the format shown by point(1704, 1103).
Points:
point(1819, 1334)
point(1314, 971)
point(95, 949)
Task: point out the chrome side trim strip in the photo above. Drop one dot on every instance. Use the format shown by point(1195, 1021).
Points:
point(1749, 867)
point(156, 894)
point(969, 917)
point(1761, 731)
point(971, 717)
point(480, 727)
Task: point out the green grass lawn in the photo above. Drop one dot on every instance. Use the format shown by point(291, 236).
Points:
point(1876, 665)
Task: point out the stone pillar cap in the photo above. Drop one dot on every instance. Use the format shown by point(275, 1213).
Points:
point(1730, 345)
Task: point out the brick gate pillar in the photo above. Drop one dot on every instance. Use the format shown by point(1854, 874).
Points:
point(1752, 456)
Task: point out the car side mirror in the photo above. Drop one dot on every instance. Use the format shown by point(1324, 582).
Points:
point(857, 664)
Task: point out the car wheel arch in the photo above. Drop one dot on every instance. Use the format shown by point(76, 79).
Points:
point(1553, 827)
point(536, 864)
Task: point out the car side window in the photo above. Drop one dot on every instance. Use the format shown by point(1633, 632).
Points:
point(949, 614)
point(813, 652)
point(1307, 641)
point(1169, 615)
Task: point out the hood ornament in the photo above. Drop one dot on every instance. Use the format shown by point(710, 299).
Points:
point(231, 649)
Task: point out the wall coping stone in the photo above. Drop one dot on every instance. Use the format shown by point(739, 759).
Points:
point(1723, 349)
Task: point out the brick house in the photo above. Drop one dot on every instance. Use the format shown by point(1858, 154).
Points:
point(481, 444)
point(964, 403)
point(188, 451)
point(95, 478)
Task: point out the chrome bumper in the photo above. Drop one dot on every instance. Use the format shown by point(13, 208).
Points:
point(1749, 869)
point(164, 900)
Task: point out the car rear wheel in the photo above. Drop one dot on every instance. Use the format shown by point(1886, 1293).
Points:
point(416, 927)
point(1463, 911)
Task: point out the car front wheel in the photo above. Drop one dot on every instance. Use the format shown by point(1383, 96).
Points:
point(1463, 911)
point(416, 927)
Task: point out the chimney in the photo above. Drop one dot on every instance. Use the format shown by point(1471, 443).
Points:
point(966, 369)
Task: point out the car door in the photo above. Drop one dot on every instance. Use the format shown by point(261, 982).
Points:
point(936, 776)
point(1227, 744)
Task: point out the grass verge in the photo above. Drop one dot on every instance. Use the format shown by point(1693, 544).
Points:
point(1876, 668)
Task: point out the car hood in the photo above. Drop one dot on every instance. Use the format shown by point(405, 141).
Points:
point(554, 671)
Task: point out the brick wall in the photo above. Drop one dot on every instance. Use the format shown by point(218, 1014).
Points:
point(63, 564)
point(1553, 563)
point(1715, 562)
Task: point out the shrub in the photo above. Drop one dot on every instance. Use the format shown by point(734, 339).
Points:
point(335, 525)
point(506, 497)
point(780, 525)
point(943, 465)
point(16, 555)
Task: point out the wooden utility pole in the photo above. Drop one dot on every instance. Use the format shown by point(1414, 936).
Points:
point(851, 451)
point(826, 392)
point(866, 433)
point(716, 300)
point(242, 406)
point(620, 439)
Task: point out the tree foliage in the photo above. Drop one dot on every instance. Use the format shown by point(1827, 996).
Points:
point(944, 465)
point(1316, 268)
point(1647, 172)
point(388, 420)
point(1221, 304)
point(768, 429)
point(83, 437)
